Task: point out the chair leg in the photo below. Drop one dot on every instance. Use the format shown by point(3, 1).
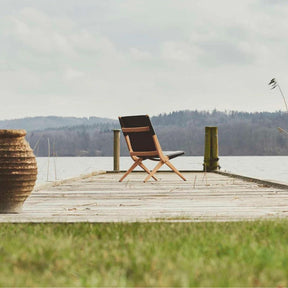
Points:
point(147, 170)
point(157, 167)
point(151, 173)
point(170, 165)
point(130, 169)
point(138, 162)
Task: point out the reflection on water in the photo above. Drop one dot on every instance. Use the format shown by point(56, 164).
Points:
point(262, 167)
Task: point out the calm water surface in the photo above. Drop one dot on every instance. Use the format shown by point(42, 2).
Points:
point(267, 167)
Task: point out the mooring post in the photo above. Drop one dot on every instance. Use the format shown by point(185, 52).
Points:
point(116, 150)
point(211, 149)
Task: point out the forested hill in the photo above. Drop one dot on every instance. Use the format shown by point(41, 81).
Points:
point(240, 133)
point(42, 123)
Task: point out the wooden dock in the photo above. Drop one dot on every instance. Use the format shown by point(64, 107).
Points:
point(99, 197)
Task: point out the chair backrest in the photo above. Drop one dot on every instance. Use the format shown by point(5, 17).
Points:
point(140, 132)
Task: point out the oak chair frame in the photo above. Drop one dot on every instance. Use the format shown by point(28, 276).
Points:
point(155, 154)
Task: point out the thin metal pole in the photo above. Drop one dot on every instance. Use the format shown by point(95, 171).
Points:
point(54, 158)
point(48, 168)
point(274, 83)
point(283, 97)
point(116, 150)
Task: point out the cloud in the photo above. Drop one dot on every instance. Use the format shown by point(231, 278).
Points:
point(180, 51)
point(73, 74)
point(139, 54)
point(34, 30)
point(189, 54)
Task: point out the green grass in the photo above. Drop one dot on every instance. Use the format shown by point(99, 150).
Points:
point(145, 254)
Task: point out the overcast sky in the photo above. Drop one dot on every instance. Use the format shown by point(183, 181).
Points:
point(120, 57)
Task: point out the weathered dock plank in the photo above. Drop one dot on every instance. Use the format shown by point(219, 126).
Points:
point(204, 197)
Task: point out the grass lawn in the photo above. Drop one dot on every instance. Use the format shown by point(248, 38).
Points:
point(145, 254)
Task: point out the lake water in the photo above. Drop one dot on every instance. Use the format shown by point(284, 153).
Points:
point(266, 168)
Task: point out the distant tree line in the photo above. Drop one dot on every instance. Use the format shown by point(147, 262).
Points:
point(52, 122)
point(240, 133)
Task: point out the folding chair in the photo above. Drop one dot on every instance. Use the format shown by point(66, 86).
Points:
point(143, 144)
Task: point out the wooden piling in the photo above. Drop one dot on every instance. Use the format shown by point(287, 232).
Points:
point(211, 149)
point(116, 150)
